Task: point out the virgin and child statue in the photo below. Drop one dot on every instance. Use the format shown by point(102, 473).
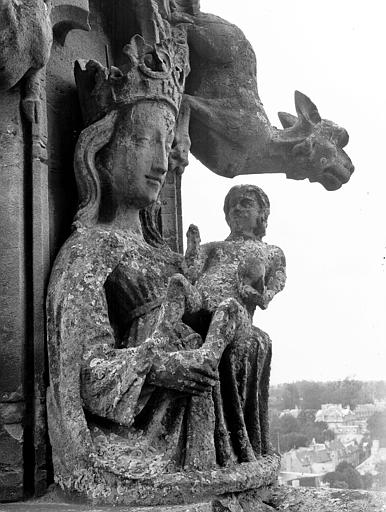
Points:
point(158, 379)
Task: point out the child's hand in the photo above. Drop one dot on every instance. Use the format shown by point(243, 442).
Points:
point(192, 244)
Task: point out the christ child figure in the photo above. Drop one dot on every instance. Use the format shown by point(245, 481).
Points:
point(235, 275)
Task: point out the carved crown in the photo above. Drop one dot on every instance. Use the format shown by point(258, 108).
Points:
point(152, 72)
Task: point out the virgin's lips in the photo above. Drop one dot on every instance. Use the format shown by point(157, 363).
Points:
point(154, 178)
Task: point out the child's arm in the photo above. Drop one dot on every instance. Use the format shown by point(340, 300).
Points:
point(195, 255)
point(275, 276)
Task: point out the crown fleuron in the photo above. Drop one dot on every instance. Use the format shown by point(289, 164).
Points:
point(154, 72)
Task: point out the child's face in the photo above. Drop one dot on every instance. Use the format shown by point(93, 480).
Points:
point(243, 213)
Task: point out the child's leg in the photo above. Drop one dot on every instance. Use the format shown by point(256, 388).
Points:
point(228, 320)
point(181, 297)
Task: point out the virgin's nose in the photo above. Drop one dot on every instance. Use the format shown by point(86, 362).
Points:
point(160, 160)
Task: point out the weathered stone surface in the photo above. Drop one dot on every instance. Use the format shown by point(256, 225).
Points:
point(25, 39)
point(11, 462)
point(223, 126)
point(11, 485)
point(229, 129)
point(283, 499)
point(12, 280)
point(25, 44)
point(12, 295)
point(11, 412)
point(64, 119)
point(68, 15)
point(155, 423)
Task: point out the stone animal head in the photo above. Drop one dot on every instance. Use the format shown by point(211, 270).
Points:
point(316, 145)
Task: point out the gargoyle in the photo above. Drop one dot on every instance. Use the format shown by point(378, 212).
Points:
point(229, 130)
point(25, 44)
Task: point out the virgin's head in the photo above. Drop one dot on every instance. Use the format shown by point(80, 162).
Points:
point(133, 165)
point(122, 160)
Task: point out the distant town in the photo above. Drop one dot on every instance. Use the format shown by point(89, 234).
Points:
point(330, 434)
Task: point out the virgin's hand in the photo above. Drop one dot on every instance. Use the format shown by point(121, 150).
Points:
point(189, 371)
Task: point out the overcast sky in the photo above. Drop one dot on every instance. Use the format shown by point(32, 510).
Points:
point(330, 321)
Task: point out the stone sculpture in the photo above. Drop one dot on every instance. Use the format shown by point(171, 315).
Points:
point(133, 417)
point(236, 275)
point(25, 44)
point(143, 350)
point(229, 129)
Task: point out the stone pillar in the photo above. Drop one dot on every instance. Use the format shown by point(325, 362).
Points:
point(172, 211)
point(13, 306)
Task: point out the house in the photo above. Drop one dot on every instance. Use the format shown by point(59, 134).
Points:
point(300, 479)
point(377, 455)
point(336, 450)
point(314, 459)
point(334, 415)
point(292, 412)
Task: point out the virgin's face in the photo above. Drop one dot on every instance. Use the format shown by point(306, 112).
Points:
point(141, 147)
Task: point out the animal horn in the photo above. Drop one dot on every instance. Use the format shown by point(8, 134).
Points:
point(287, 120)
point(306, 109)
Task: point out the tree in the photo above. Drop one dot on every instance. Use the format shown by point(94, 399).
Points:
point(288, 424)
point(290, 396)
point(292, 440)
point(335, 480)
point(312, 394)
point(350, 474)
point(306, 416)
point(353, 392)
point(345, 474)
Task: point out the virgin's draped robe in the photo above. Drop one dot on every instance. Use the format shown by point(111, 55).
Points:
point(104, 294)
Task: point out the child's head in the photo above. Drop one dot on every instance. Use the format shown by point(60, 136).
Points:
point(246, 208)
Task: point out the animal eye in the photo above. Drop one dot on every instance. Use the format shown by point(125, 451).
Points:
point(303, 148)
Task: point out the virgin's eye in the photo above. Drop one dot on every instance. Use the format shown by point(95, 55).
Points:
point(141, 140)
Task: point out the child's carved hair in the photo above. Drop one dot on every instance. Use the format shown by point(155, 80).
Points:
point(261, 198)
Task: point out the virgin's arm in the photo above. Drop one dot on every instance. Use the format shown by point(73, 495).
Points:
point(83, 357)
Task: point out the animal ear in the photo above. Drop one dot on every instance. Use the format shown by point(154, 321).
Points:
point(306, 109)
point(342, 138)
point(287, 120)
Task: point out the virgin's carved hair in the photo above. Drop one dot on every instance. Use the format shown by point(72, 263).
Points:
point(91, 140)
